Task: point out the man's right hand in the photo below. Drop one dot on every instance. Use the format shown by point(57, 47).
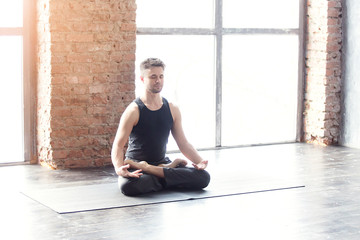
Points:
point(124, 172)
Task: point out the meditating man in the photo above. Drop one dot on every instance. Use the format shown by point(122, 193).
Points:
point(146, 123)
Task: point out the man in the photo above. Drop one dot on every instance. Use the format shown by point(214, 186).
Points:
point(146, 123)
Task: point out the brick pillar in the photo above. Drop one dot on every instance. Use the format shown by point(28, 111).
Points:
point(323, 72)
point(43, 82)
point(86, 74)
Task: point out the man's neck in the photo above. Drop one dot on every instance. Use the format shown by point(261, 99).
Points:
point(153, 101)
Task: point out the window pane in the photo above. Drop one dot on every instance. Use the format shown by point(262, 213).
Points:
point(11, 13)
point(11, 127)
point(260, 82)
point(189, 81)
point(261, 14)
point(175, 14)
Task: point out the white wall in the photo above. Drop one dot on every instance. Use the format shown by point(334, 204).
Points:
point(350, 135)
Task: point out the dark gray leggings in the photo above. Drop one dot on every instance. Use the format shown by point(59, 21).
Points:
point(180, 177)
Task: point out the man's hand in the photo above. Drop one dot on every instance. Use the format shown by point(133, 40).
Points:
point(124, 172)
point(201, 165)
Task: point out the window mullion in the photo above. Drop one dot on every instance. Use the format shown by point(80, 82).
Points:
point(261, 31)
point(175, 31)
point(219, 37)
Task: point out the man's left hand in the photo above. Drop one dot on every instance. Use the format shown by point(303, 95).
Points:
point(201, 165)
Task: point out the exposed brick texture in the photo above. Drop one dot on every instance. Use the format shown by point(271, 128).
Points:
point(323, 71)
point(86, 57)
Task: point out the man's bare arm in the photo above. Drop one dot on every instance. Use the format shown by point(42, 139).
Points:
point(185, 147)
point(128, 120)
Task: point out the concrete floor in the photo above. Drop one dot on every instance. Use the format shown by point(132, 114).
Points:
point(328, 207)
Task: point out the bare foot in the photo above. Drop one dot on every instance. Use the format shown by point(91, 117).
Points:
point(177, 162)
point(136, 165)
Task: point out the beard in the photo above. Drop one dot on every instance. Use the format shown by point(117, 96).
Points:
point(156, 89)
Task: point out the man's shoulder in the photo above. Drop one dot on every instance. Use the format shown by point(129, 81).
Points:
point(174, 109)
point(131, 114)
point(131, 109)
point(172, 105)
point(132, 104)
point(170, 102)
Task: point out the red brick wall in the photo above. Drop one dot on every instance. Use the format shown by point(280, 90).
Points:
point(86, 57)
point(323, 71)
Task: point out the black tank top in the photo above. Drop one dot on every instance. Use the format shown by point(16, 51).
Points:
point(149, 137)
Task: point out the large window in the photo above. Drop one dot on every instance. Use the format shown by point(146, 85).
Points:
point(12, 71)
point(232, 66)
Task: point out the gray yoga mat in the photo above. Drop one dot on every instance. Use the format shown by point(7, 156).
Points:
point(107, 196)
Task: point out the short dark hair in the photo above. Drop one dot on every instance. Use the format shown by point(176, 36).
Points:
point(151, 62)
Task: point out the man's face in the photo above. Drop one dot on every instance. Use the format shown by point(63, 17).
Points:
point(153, 79)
